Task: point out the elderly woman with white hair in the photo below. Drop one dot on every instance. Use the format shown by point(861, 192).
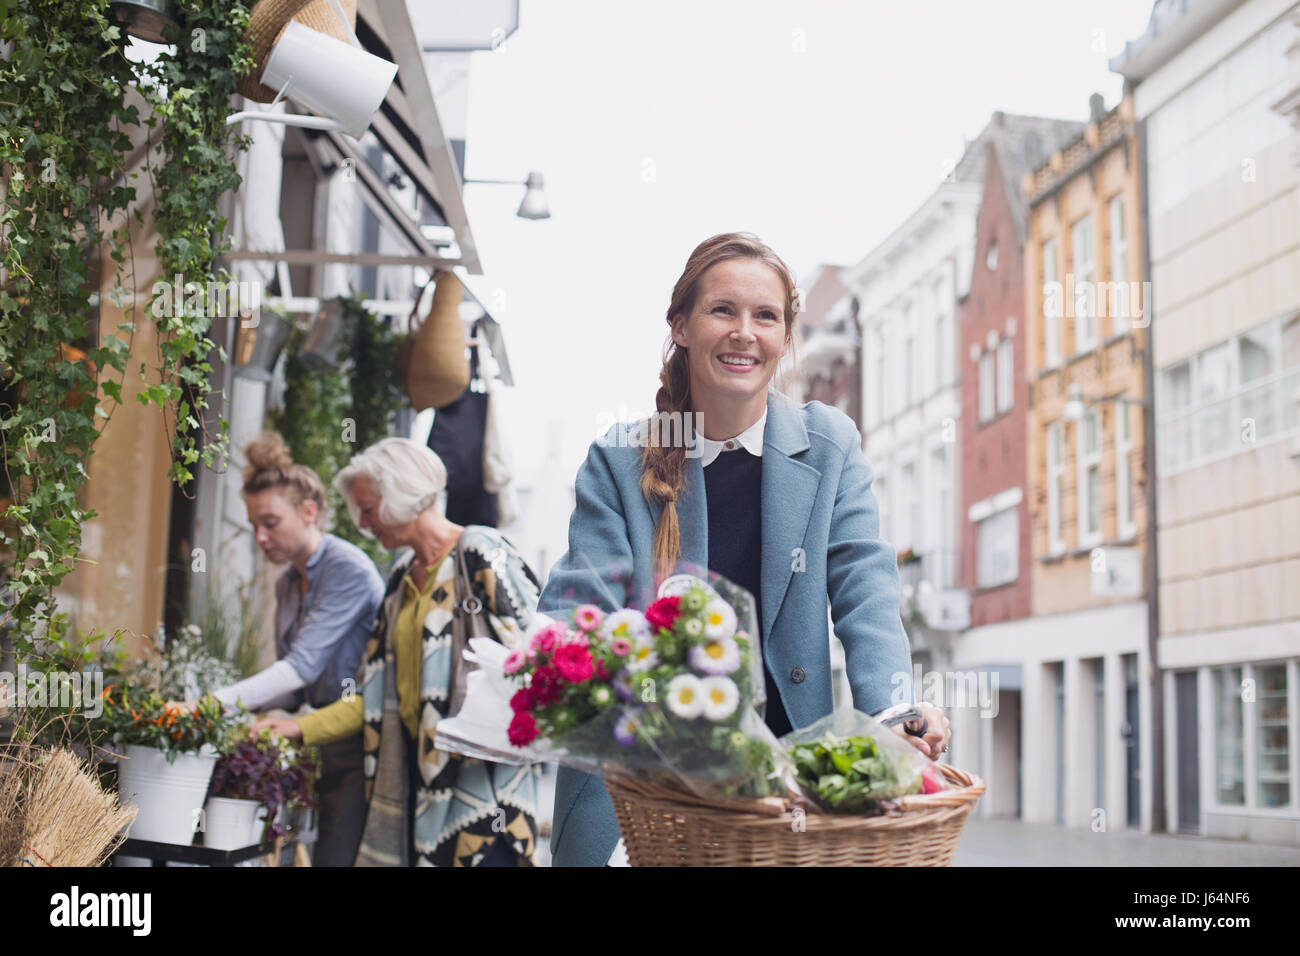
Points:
point(426, 807)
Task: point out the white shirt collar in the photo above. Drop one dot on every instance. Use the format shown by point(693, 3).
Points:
point(751, 439)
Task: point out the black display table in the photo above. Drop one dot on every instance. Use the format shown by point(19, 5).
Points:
point(161, 854)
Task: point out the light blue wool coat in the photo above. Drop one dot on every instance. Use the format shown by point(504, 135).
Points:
point(816, 496)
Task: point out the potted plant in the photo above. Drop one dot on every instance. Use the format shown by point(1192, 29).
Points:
point(169, 755)
point(263, 774)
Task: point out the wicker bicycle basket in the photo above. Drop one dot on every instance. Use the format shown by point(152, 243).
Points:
point(663, 826)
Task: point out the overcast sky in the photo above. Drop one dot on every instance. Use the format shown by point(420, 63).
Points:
point(817, 125)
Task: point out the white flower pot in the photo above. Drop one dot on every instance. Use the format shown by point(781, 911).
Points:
point(232, 824)
point(169, 795)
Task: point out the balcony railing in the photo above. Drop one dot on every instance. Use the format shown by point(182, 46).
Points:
point(941, 567)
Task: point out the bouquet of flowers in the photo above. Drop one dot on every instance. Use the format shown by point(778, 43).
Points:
point(677, 689)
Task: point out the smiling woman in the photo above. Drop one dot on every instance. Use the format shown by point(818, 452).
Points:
point(778, 488)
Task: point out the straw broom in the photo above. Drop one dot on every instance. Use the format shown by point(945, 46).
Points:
point(70, 819)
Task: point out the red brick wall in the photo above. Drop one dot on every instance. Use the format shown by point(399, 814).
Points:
point(993, 455)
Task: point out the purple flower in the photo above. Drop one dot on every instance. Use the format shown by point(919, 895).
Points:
point(625, 729)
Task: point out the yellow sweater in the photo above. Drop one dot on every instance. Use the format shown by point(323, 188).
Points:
point(343, 718)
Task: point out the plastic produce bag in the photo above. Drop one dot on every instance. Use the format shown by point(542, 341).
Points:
point(850, 762)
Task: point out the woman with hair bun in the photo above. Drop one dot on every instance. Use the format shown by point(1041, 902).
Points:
point(773, 495)
point(424, 806)
point(325, 603)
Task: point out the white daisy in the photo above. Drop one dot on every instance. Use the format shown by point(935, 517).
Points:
point(716, 657)
point(643, 656)
point(628, 624)
point(686, 696)
point(720, 697)
point(719, 619)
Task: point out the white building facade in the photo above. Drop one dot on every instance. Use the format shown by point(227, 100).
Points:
point(1217, 88)
point(907, 289)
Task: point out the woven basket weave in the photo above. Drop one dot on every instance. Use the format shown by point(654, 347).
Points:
point(663, 826)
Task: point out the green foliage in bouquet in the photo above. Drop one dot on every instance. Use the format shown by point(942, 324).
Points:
point(853, 774)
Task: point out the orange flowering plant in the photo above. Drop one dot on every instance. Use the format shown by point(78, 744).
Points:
point(133, 715)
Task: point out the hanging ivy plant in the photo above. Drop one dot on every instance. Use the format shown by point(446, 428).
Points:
point(327, 417)
point(191, 84)
point(64, 143)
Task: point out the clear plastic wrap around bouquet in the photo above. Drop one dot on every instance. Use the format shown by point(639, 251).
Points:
point(675, 688)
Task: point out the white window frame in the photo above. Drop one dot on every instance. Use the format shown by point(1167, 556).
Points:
point(908, 535)
point(945, 348)
point(1283, 383)
point(1006, 379)
point(878, 386)
point(987, 385)
point(1125, 526)
point(1250, 715)
point(1009, 515)
point(910, 392)
point(1085, 459)
point(942, 539)
point(1119, 260)
point(1055, 477)
point(1083, 259)
point(1051, 324)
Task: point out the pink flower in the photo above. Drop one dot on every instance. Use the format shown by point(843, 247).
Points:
point(663, 612)
point(523, 700)
point(620, 646)
point(601, 672)
point(574, 663)
point(514, 661)
point(545, 640)
point(588, 617)
point(522, 730)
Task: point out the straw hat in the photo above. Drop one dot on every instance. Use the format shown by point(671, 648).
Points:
point(269, 19)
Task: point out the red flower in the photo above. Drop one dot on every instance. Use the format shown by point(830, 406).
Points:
point(573, 661)
point(523, 730)
point(663, 612)
point(545, 685)
point(601, 673)
point(522, 701)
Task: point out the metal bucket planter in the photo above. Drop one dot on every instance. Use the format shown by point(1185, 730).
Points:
point(169, 795)
point(232, 824)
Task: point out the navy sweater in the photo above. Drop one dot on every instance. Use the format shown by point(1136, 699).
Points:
point(733, 488)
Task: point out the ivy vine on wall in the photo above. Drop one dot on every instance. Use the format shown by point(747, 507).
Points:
point(65, 111)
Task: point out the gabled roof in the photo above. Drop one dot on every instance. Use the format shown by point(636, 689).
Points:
point(1023, 143)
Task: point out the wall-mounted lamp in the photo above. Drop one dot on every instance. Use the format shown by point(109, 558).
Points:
point(534, 205)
